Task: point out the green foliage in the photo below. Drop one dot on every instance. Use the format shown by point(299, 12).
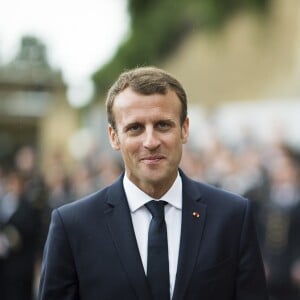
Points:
point(159, 25)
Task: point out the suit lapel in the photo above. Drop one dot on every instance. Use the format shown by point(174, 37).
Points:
point(193, 219)
point(121, 229)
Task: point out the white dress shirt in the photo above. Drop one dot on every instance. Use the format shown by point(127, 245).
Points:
point(141, 218)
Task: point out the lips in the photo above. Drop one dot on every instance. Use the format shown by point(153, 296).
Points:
point(153, 158)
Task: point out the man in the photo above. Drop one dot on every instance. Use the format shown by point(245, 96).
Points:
point(100, 248)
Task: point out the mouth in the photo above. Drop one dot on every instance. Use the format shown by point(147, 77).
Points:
point(152, 159)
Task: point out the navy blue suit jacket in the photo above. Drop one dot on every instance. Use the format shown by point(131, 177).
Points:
point(91, 251)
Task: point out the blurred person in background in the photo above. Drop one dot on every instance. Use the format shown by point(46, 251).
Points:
point(108, 168)
point(97, 247)
point(58, 185)
point(35, 188)
point(82, 181)
point(26, 163)
point(2, 181)
point(192, 164)
point(278, 219)
point(19, 225)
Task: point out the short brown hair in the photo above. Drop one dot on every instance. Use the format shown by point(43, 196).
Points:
point(145, 81)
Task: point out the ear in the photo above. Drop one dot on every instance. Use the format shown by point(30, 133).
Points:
point(185, 131)
point(113, 138)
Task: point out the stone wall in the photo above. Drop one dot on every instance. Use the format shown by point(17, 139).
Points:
point(251, 57)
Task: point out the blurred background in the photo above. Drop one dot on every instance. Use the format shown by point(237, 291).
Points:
point(239, 62)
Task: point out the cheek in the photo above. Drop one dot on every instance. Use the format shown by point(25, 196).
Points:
point(176, 147)
point(174, 142)
point(129, 147)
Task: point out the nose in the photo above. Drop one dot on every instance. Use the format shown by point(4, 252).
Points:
point(151, 140)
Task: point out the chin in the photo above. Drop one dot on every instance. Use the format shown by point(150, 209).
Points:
point(155, 178)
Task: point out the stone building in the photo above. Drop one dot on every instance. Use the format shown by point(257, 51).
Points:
point(34, 109)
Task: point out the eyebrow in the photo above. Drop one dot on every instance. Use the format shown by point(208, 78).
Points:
point(169, 121)
point(166, 120)
point(126, 127)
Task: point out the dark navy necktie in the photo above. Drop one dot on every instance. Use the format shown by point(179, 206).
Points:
point(158, 259)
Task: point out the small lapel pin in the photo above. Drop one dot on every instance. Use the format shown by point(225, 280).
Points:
point(196, 214)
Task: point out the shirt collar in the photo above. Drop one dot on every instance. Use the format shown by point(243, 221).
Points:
point(137, 198)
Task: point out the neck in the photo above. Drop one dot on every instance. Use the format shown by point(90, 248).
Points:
point(155, 189)
point(156, 192)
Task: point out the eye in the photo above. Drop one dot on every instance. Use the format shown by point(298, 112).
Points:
point(134, 128)
point(163, 125)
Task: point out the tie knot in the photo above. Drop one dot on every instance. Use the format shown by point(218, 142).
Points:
point(156, 208)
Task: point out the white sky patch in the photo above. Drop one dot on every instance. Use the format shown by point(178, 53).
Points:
point(80, 36)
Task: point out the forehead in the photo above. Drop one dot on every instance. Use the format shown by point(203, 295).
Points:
point(131, 101)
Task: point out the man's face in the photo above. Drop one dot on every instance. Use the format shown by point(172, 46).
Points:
point(150, 137)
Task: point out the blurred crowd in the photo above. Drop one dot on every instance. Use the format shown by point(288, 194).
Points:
point(267, 174)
